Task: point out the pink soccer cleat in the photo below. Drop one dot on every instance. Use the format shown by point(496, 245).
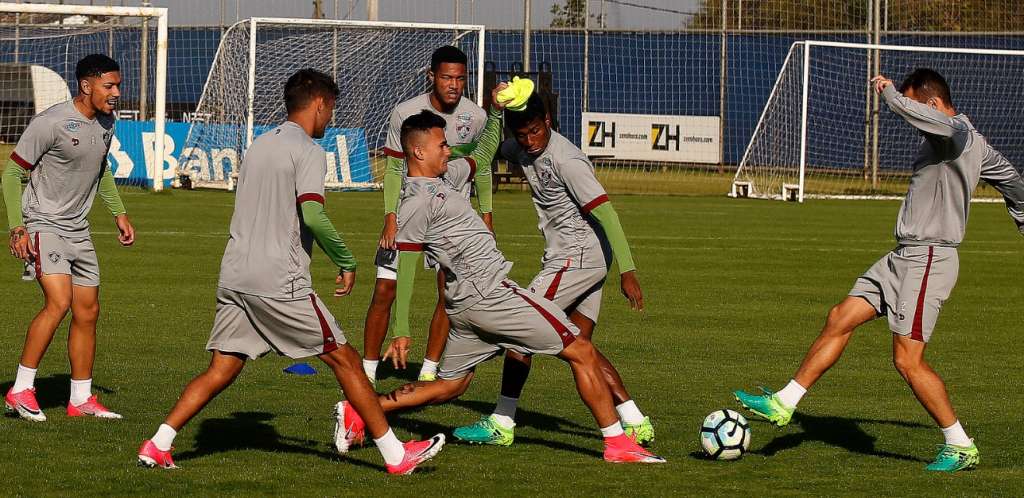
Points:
point(349, 428)
point(24, 403)
point(621, 449)
point(151, 456)
point(91, 407)
point(417, 452)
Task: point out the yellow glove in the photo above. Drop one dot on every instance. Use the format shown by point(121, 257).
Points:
point(514, 96)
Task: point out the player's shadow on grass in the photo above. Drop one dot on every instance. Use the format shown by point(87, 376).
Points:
point(253, 431)
point(843, 432)
point(55, 390)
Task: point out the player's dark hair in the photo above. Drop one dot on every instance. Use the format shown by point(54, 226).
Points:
point(447, 54)
point(927, 83)
point(306, 85)
point(94, 65)
point(419, 123)
point(535, 108)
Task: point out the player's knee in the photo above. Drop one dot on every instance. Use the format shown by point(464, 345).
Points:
point(906, 364)
point(384, 292)
point(344, 357)
point(86, 312)
point(57, 305)
point(836, 322)
point(581, 350)
point(456, 387)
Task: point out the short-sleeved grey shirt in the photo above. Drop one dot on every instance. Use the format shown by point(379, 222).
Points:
point(65, 153)
point(565, 190)
point(462, 126)
point(438, 220)
point(269, 247)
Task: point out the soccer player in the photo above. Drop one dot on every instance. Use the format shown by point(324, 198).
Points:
point(909, 284)
point(581, 233)
point(63, 152)
point(488, 312)
point(465, 122)
point(265, 297)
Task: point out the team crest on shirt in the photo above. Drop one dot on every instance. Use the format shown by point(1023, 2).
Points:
point(72, 126)
point(544, 171)
point(463, 125)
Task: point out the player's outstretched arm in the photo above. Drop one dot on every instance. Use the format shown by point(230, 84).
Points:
point(486, 148)
point(330, 241)
point(13, 175)
point(999, 173)
point(923, 117)
point(112, 199)
point(609, 220)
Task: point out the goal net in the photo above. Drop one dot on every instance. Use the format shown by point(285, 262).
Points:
point(824, 133)
point(40, 46)
point(377, 65)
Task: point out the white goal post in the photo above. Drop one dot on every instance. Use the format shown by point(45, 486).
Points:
point(376, 65)
point(823, 133)
point(43, 42)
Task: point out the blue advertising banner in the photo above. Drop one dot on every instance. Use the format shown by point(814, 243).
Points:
point(132, 150)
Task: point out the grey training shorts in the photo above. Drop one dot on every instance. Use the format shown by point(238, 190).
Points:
point(66, 256)
point(508, 318)
point(254, 325)
point(572, 289)
point(909, 285)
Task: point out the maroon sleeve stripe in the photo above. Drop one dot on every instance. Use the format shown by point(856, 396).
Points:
point(409, 246)
point(472, 167)
point(310, 197)
point(394, 153)
point(21, 162)
point(601, 199)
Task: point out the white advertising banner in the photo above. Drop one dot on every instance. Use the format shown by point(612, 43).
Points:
point(645, 137)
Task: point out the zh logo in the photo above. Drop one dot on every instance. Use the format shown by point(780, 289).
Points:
point(662, 137)
point(597, 134)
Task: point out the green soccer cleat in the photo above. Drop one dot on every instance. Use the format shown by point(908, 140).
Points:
point(485, 431)
point(952, 458)
point(766, 405)
point(642, 433)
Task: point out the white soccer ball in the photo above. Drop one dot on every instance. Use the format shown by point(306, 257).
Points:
point(725, 435)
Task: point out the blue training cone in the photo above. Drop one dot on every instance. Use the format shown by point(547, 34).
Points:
point(301, 369)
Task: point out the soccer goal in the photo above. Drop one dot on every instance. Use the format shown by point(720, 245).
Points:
point(824, 134)
point(40, 45)
point(376, 64)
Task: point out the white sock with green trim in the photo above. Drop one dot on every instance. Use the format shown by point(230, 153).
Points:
point(629, 414)
point(370, 367)
point(429, 367)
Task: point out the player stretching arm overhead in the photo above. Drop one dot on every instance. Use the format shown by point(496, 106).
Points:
point(464, 123)
point(265, 298)
point(488, 312)
point(581, 234)
point(909, 284)
point(63, 152)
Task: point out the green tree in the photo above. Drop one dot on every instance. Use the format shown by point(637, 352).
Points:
point(569, 15)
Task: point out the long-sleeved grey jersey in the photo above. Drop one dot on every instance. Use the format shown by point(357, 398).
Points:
point(952, 158)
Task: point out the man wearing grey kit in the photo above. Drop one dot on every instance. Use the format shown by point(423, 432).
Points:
point(909, 284)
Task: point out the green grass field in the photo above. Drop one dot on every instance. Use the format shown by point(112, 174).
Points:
point(735, 291)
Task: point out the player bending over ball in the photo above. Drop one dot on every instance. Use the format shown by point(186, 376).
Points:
point(488, 312)
point(464, 124)
point(581, 233)
point(265, 298)
point(909, 284)
point(63, 152)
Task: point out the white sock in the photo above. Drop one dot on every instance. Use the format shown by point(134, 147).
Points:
point(612, 430)
point(429, 367)
point(80, 391)
point(505, 411)
point(956, 435)
point(791, 394)
point(370, 367)
point(390, 448)
point(629, 414)
point(25, 378)
point(164, 437)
